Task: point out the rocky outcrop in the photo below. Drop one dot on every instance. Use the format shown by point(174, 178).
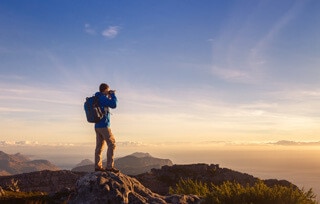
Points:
point(159, 180)
point(107, 187)
point(43, 181)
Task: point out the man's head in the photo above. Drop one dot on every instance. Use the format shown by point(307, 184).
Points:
point(104, 88)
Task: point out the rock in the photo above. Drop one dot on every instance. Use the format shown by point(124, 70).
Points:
point(62, 195)
point(182, 199)
point(107, 187)
point(159, 180)
point(43, 181)
point(2, 193)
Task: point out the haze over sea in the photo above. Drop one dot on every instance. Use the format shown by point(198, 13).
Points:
point(297, 163)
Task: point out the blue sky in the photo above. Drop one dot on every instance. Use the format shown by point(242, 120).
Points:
point(242, 70)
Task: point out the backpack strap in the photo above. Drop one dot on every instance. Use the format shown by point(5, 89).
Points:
point(97, 103)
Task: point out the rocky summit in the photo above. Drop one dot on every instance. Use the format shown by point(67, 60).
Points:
point(159, 180)
point(107, 187)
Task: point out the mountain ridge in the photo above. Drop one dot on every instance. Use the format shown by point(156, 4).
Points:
point(132, 164)
point(11, 164)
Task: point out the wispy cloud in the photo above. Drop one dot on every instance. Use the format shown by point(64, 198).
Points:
point(281, 23)
point(232, 75)
point(295, 143)
point(10, 110)
point(12, 77)
point(88, 29)
point(167, 144)
point(111, 32)
point(26, 93)
point(239, 59)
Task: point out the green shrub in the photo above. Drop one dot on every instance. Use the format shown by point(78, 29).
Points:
point(10, 197)
point(189, 186)
point(232, 192)
point(24, 197)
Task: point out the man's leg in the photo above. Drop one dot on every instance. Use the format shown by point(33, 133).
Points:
point(111, 142)
point(100, 144)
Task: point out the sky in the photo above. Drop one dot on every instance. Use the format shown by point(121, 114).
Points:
point(241, 71)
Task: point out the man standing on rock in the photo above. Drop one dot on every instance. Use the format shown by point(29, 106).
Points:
point(107, 99)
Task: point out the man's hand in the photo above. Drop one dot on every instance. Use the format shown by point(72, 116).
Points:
point(112, 91)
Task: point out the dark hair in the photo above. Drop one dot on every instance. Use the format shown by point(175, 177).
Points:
point(103, 87)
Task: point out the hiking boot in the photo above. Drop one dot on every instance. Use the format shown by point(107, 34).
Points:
point(99, 169)
point(114, 170)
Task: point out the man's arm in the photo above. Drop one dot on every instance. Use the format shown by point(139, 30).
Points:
point(109, 102)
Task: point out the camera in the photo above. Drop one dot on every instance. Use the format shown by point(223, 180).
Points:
point(112, 91)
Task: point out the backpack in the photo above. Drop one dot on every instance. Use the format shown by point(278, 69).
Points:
point(93, 111)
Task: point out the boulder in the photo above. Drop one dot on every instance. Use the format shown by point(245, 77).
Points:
point(2, 193)
point(108, 187)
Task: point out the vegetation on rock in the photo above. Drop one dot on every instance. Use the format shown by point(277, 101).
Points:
point(232, 192)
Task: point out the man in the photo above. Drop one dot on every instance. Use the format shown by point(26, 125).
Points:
point(107, 99)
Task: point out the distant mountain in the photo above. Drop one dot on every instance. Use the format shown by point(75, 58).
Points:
point(85, 162)
point(18, 163)
point(133, 164)
point(140, 154)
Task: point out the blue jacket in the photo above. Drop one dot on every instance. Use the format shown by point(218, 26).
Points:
point(105, 104)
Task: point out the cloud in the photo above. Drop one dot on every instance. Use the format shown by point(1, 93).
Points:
point(12, 77)
point(111, 32)
point(88, 29)
point(27, 143)
point(238, 58)
point(24, 94)
point(277, 27)
point(294, 143)
point(231, 75)
point(20, 110)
